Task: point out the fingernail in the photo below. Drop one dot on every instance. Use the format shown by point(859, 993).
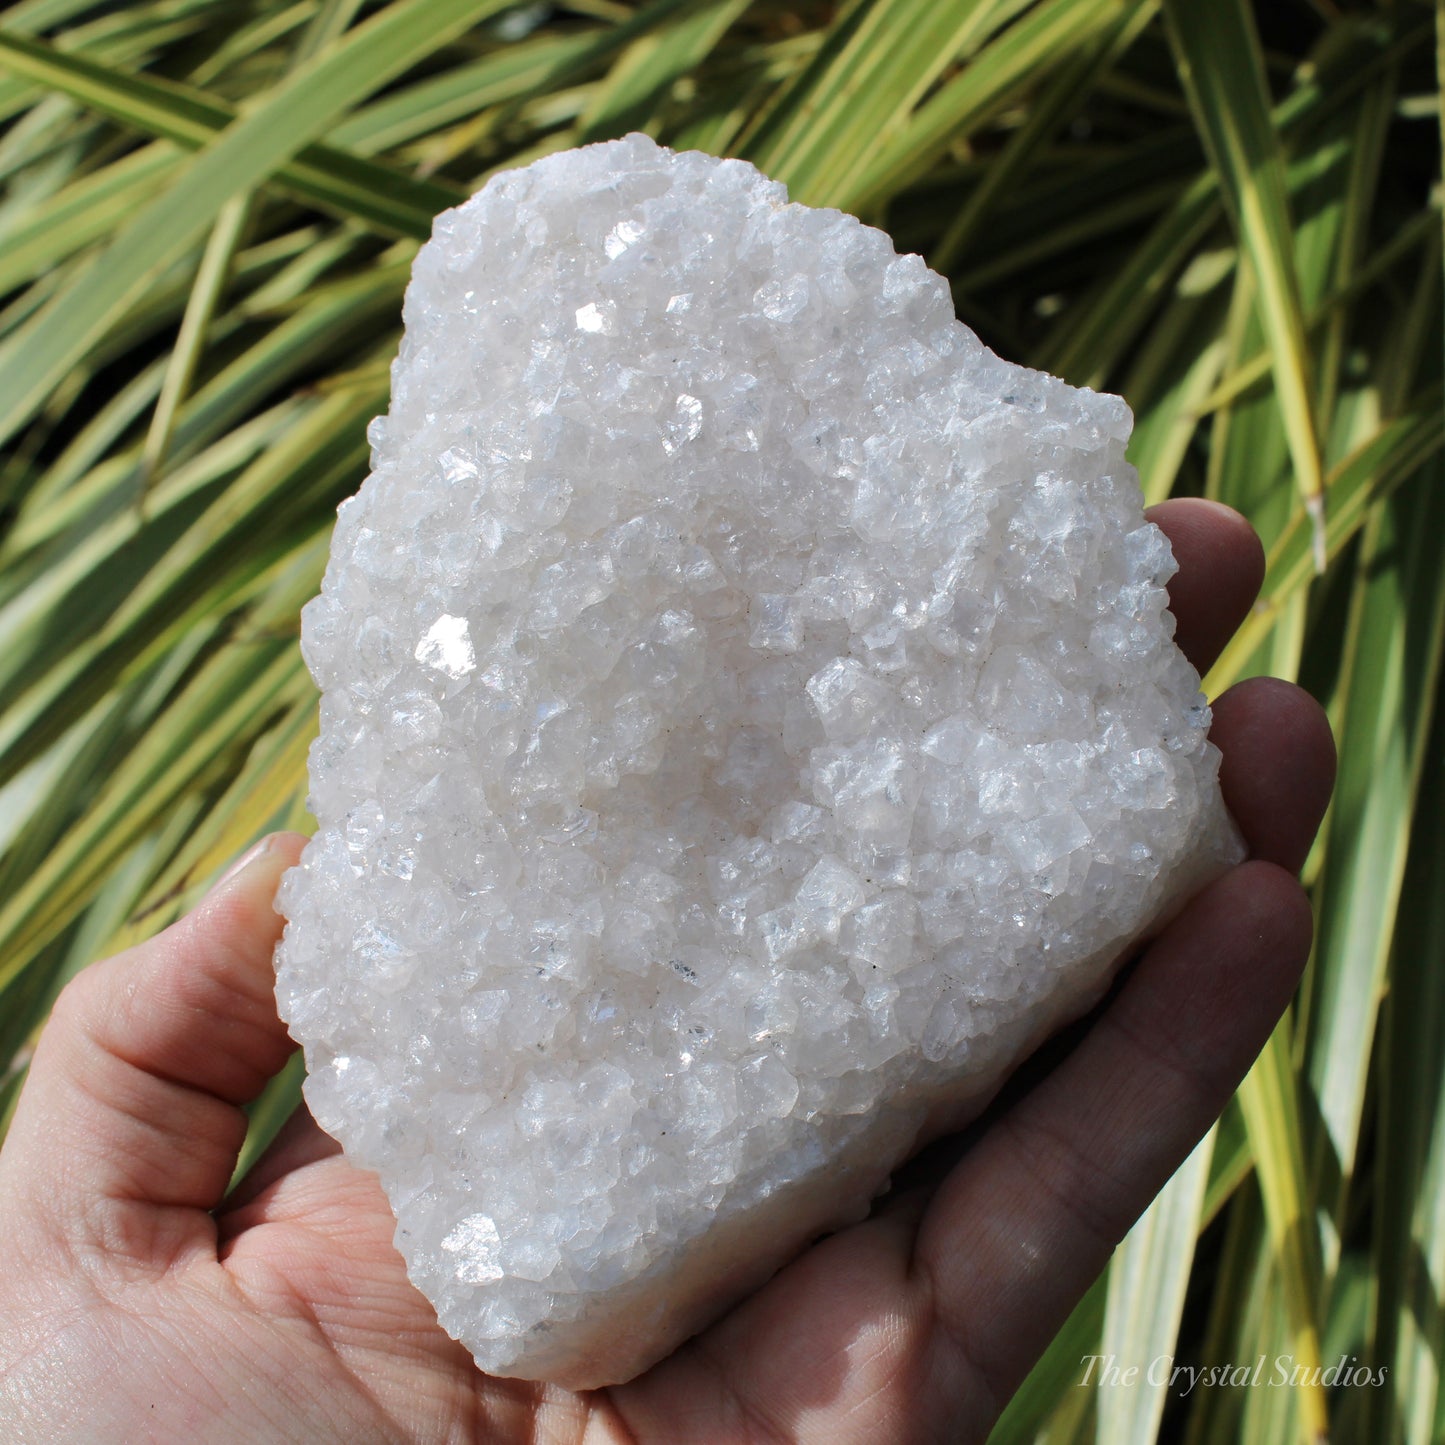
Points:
point(255, 851)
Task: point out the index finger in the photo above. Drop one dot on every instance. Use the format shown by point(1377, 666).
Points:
point(1221, 567)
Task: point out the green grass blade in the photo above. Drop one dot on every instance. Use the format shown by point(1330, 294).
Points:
point(735, 92)
point(458, 93)
point(256, 43)
point(1409, 1325)
point(1175, 370)
point(1077, 79)
point(1368, 475)
point(630, 97)
point(1043, 39)
point(1332, 310)
point(246, 154)
point(1271, 1113)
point(345, 184)
point(178, 560)
point(1087, 346)
point(327, 24)
point(1393, 655)
point(223, 706)
point(1222, 68)
point(1148, 1278)
point(1234, 1289)
point(87, 210)
point(854, 101)
point(211, 279)
point(267, 1115)
point(1229, 1166)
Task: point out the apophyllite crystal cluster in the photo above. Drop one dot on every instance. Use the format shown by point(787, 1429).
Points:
point(750, 719)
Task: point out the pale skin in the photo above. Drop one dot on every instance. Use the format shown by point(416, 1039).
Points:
point(138, 1305)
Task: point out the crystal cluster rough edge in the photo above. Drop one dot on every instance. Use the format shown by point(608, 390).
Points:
point(750, 720)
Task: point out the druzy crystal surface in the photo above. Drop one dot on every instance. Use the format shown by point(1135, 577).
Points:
point(750, 720)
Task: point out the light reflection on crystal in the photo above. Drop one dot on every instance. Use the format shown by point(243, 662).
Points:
point(447, 646)
point(476, 1243)
point(620, 238)
point(685, 424)
point(592, 317)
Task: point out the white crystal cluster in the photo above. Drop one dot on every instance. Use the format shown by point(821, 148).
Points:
point(749, 719)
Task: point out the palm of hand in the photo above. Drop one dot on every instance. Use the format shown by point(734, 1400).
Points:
point(132, 1308)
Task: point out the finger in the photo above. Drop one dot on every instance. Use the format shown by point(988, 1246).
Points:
point(1025, 1224)
point(300, 1141)
point(144, 1064)
point(1221, 567)
point(1278, 767)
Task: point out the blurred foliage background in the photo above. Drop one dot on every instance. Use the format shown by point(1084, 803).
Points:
point(1229, 213)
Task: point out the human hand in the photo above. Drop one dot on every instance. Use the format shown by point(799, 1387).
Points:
point(138, 1305)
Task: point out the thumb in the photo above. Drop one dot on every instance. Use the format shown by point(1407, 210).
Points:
point(130, 1122)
